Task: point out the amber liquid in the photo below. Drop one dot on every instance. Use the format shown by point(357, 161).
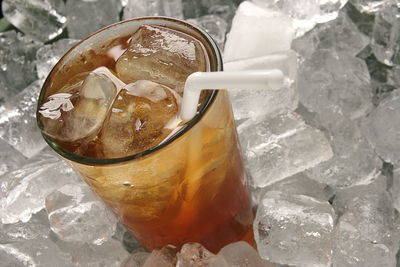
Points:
point(213, 218)
point(218, 213)
point(192, 190)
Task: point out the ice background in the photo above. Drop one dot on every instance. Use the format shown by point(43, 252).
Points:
point(322, 153)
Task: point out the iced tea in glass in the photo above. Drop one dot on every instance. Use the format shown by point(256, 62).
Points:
point(104, 108)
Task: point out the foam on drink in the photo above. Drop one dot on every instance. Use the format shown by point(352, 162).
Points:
point(123, 108)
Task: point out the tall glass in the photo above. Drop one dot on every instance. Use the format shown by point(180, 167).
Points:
point(191, 188)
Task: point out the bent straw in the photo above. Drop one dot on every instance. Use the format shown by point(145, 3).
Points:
point(232, 80)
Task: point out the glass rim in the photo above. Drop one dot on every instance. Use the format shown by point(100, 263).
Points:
point(217, 58)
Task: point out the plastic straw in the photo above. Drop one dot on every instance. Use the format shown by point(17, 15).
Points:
point(232, 80)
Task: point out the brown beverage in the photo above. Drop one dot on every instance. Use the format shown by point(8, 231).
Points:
point(166, 184)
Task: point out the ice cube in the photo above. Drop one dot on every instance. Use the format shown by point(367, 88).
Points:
point(395, 189)
point(143, 8)
point(37, 252)
point(34, 244)
point(348, 167)
point(340, 34)
point(86, 17)
point(367, 230)
point(134, 9)
point(352, 250)
point(306, 13)
point(394, 76)
point(161, 55)
point(137, 119)
point(128, 241)
point(224, 9)
point(370, 6)
point(78, 114)
point(325, 79)
point(192, 9)
point(294, 229)
point(111, 253)
point(194, 254)
point(241, 254)
point(257, 32)
point(17, 55)
point(383, 77)
point(18, 122)
point(136, 259)
point(382, 128)
point(173, 8)
point(301, 184)
point(254, 103)
point(76, 214)
point(277, 147)
point(385, 35)
point(48, 55)
point(10, 159)
point(23, 191)
point(41, 20)
point(363, 21)
point(37, 227)
point(214, 26)
point(161, 257)
point(30, 244)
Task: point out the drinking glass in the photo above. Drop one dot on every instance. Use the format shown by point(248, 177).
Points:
point(189, 188)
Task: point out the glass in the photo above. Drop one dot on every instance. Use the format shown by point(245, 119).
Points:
point(190, 188)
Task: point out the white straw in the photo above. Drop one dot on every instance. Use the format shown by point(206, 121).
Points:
point(244, 80)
